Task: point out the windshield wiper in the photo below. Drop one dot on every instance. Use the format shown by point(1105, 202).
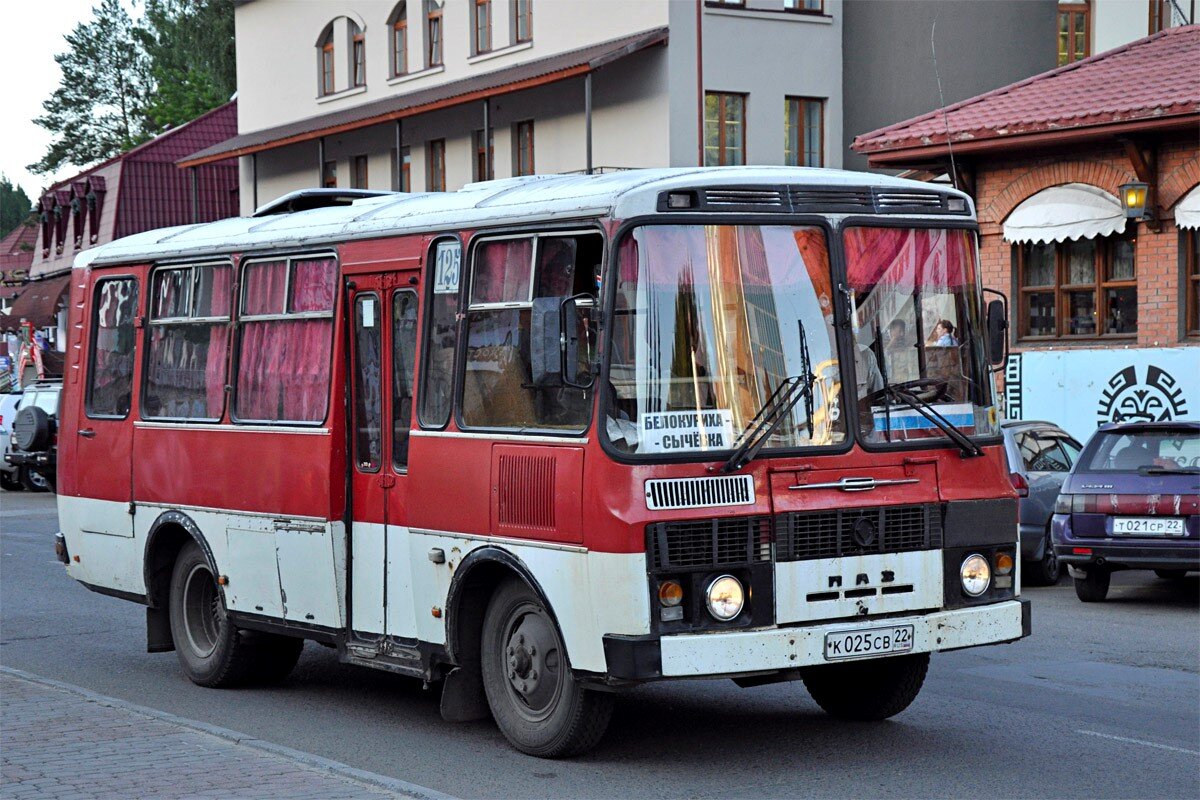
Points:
point(775, 410)
point(969, 448)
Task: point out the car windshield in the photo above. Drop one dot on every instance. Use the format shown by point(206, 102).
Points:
point(1130, 451)
point(709, 321)
point(918, 327)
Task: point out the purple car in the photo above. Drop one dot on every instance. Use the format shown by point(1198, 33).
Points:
point(1131, 502)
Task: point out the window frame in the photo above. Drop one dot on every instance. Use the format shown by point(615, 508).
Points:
point(327, 79)
point(800, 7)
point(1074, 13)
point(437, 146)
point(801, 105)
point(520, 151)
point(353, 368)
point(434, 46)
point(329, 174)
point(722, 123)
point(1103, 263)
point(466, 307)
point(228, 319)
point(356, 162)
point(481, 27)
point(425, 313)
point(358, 58)
point(484, 161)
point(399, 34)
point(517, 17)
point(236, 338)
point(1190, 281)
point(397, 467)
point(94, 328)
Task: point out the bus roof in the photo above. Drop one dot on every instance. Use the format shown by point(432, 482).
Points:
point(535, 198)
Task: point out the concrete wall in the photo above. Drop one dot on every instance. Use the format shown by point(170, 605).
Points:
point(278, 59)
point(1117, 22)
point(888, 73)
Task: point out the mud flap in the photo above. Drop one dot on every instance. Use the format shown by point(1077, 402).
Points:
point(463, 699)
point(158, 631)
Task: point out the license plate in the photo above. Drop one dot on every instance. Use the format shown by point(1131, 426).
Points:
point(866, 642)
point(1148, 526)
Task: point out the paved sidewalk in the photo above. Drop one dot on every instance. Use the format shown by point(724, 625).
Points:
point(58, 742)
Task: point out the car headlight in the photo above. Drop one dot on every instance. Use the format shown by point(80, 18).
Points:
point(725, 598)
point(976, 575)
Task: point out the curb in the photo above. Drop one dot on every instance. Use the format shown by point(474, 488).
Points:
point(402, 788)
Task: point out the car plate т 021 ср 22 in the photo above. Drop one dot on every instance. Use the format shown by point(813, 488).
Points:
point(868, 642)
point(1148, 526)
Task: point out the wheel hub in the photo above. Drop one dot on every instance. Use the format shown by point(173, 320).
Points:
point(531, 657)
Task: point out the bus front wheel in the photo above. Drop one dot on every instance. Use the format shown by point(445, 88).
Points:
point(867, 691)
point(536, 702)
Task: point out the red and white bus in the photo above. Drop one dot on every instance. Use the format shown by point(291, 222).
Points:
point(544, 438)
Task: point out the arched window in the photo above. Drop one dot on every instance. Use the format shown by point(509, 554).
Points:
point(398, 24)
point(358, 56)
point(433, 33)
point(325, 60)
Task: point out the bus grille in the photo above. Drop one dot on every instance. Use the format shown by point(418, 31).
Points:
point(698, 544)
point(805, 535)
point(723, 490)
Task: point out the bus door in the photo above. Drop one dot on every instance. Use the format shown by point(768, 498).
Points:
point(103, 436)
point(382, 319)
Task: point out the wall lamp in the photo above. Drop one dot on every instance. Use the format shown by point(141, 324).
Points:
point(1133, 200)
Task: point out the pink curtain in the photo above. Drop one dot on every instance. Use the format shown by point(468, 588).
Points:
point(314, 284)
point(222, 300)
point(627, 257)
point(502, 271)
point(170, 292)
point(903, 255)
point(265, 282)
point(283, 372)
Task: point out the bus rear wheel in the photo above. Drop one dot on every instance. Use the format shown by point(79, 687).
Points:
point(536, 702)
point(867, 691)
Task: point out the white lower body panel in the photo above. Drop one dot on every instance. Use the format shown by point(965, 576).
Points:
point(693, 655)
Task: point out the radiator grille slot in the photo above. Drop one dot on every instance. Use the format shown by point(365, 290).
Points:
point(805, 535)
point(728, 490)
point(800, 199)
point(725, 542)
point(525, 489)
point(908, 201)
point(771, 198)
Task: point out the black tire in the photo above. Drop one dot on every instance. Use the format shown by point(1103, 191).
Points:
point(1170, 574)
point(867, 691)
point(1093, 588)
point(1047, 570)
point(554, 716)
point(35, 481)
point(11, 481)
point(275, 656)
point(211, 650)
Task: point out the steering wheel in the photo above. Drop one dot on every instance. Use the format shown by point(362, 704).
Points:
point(926, 389)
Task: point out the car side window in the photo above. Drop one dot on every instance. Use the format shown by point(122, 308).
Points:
point(1072, 449)
point(1042, 453)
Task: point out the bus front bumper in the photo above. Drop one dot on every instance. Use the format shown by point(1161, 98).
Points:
point(779, 649)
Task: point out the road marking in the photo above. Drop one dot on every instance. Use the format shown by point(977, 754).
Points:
point(1141, 742)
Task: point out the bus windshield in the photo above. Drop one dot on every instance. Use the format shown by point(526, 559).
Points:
point(918, 329)
point(708, 322)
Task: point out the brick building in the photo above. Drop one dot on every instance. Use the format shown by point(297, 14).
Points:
point(1105, 308)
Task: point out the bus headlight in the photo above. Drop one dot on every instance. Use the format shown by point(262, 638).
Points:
point(976, 575)
point(725, 598)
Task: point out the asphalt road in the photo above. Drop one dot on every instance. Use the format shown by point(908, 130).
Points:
point(1102, 701)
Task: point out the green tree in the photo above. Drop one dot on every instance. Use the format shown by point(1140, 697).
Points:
point(14, 206)
point(99, 108)
point(190, 44)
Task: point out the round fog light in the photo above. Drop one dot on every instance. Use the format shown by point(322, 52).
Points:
point(725, 598)
point(976, 575)
point(1004, 563)
point(670, 593)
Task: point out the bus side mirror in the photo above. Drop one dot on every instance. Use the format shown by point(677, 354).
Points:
point(554, 349)
point(997, 330)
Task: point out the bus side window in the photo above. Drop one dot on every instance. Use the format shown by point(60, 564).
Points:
point(441, 335)
point(110, 382)
point(285, 340)
point(368, 393)
point(404, 351)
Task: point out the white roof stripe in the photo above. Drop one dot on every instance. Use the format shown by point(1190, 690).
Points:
point(508, 201)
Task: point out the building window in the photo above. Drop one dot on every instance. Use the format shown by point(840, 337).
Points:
point(326, 56)
point(523, 142)
point(285, 335)
point(1082, 288)
point(484, 155)
point(481, 19)
point(110, 379)
point(358, 178)
point(1074, 28)
point(358, 57)
point(724, 129)
point(437, 166)
point(804, 132)
point(188, 343)
point(402, 181)
point(433, 33)
point(522, 26)
point(329, 175)
point(810, 6)
point(399, 23)
point(1191, 285)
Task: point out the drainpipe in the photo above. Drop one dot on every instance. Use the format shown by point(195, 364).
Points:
point(399, 156)
point(254, 179)
point(321, 161)
point(587, 118)
point(487, 140)
point(700, 83)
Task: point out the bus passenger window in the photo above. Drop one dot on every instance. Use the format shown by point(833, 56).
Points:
point(188, 343)
point(110, 385)
point(404, 360)
point(285, 340)
point(498, 389)
point(368, 393)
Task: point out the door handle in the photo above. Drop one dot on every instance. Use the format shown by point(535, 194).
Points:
point(87, 433)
